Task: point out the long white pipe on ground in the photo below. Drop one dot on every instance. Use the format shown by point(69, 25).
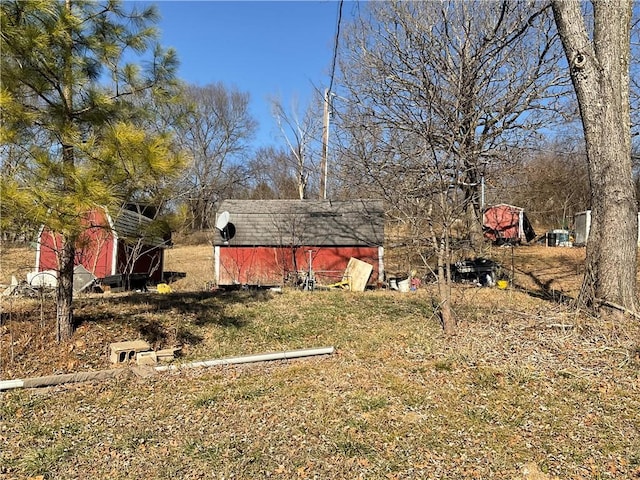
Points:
point(263, 357)
point(103, 374)
point(51, 380)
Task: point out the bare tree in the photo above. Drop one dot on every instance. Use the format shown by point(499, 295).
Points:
point(477, 74)
point(597, 46)
point(439, 91)
point(214, 126)
point(551, 184)
point(273, 174)
point(301, 135)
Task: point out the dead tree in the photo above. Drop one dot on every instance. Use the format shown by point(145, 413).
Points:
point(300, 134)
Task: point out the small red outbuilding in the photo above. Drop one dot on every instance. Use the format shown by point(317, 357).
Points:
point(504, 223)
point(119, 245)
point(274, 241)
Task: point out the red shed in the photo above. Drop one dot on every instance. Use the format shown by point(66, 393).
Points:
point(274, 240)
point(504, 223)
point(110, 246)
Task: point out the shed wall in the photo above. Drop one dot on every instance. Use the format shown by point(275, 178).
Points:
point(273, 265)
point(582, 225)
point(150, 259)
point(94, 249)
point(99, 251)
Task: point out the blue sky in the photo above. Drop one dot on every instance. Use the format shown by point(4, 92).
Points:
point(265, 48)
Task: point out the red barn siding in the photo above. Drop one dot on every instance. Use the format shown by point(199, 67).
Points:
point(150, 260)
point(94, 248)
point(47, 247)
point(95, 251)
point(271, 265)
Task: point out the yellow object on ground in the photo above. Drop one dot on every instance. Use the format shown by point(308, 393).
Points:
point(164, 288)
point(345, 284)
point(502, 284)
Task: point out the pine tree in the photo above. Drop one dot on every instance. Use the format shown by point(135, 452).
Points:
point(70, 103)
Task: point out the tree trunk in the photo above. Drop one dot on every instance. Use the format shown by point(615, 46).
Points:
point(449, 323)
point(600, 75)
point(442, 304)
point(66, 257)
point(64, 291)
point(473, 224)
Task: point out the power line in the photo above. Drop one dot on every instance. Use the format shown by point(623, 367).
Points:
point(335, 45)
point(327, 111)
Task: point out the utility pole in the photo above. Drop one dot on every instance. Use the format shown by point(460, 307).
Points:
point(325, 146)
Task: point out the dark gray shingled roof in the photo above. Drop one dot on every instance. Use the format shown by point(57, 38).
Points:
point(305, 222)
point(131, 226)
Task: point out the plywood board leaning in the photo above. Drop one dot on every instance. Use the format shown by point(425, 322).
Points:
point(357, 274)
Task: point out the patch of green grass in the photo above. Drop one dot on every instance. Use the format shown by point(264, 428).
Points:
point(133, 440)
point(210, 398)
point(211, 454)
point(9, 407)
point(39, 430)
point(579, 385)
point(445, 365)
point(43, 461)
point(253, 393)
point(207, 400)
point(370, 403)
point(480, 414)
point(357, 424)
point(353, 448)
point(486, 378)
point(519, 375)
point(516, 410)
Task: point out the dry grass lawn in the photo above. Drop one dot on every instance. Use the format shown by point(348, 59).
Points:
point(527, 384)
